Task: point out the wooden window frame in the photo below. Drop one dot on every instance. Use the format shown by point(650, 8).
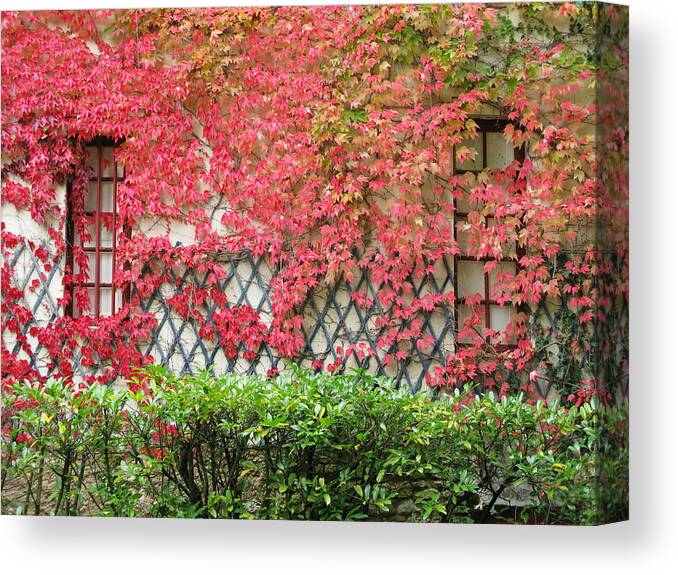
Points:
point(485, 126)
point(96, 248)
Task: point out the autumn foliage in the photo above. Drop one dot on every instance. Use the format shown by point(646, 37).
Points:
point(324, 139)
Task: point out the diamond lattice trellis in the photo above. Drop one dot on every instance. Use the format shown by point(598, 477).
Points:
point(177, 343)
point(332, 319)
point(38, 294)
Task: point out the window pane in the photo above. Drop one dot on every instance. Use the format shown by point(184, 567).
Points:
point(106, 237)
point(105, 299)
point(106, 196)
point(107, 161)
point(105, 295)
point(464, 205)
point(90, 231)
point(106, 230)
point(465, 312)
point(92, 307)
point(502, 268)
point(462, 237)
point(500, 317)
point(508, 247)
point(500, 153)
point(476, 146)
point(92, 158)
point(471, 278)
point(91, 197)
point(106, 267)
point(91, 270)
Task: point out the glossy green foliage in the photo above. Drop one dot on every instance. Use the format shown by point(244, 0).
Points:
point(308, 446)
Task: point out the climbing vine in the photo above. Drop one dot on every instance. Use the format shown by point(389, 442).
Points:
point(325, 139)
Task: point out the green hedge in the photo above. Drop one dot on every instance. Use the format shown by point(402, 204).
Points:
point(306, 446)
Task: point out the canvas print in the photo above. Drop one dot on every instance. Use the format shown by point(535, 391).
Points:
point(347, 263)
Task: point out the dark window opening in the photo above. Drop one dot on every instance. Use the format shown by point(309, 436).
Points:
point(491, 151)
point(92, 246)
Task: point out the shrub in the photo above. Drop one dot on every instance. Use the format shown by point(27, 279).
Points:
point(308, 446)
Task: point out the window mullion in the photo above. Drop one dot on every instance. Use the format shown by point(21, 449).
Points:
point(114, 233)
point(487, 306)
point(97, 225)
point(486, 276)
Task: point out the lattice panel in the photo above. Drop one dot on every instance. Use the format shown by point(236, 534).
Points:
point(176, 342)
point(333, 319)
point(40, 289)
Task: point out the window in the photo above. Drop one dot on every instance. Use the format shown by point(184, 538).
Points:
point(92, 238)
point(470, 278)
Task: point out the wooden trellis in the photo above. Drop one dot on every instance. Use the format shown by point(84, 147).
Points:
point(332, 320)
